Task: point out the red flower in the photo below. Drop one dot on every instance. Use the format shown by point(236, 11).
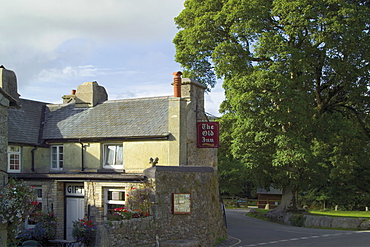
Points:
point(35, 203)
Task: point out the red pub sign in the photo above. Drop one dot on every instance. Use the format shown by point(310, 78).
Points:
point(208, 134)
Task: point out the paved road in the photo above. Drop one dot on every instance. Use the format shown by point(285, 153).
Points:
point(245, 231)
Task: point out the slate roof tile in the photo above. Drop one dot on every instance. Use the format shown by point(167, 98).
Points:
point(24, 123)
point(37, 121)
point(118, 118)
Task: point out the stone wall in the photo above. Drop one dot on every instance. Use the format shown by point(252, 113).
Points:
point(205, 222)
point(4, 104)
point(338, 222)
point(3, 143)
point(315, 221)
point(201, 227)
point(135, 232)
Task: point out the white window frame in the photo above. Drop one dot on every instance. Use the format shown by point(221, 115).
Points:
point(36, 188)
point(59, 161)
point(14, 152)
point(107, 202)
point(105, 153)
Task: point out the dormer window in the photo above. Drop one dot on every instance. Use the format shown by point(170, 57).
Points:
point(14, 159)
point(113, 156)
point(57, 157)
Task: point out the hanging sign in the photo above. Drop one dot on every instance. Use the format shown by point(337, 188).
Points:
point(208, 134)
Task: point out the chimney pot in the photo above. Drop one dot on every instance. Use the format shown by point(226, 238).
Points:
point(177, 83)
point(73, 91)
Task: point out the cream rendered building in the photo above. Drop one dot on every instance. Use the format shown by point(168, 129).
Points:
point(84, 156)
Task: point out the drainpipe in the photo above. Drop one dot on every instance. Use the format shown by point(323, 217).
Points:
point(33, 158)
point(177, 84)
point(82, 156)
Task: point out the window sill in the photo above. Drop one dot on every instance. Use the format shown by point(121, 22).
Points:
point(107, 170)
point(13, 171)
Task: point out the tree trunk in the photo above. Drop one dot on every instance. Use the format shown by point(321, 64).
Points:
point(289, 202)
point(289, 199)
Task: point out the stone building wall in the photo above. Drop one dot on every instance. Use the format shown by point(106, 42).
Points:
point(3, 156)
point(201, 227)
point(205, 222)
point(3, 142)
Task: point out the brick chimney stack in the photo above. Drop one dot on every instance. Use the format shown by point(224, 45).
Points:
point(177, 84)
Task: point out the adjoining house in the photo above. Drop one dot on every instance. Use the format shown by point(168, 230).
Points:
point(84, 156)
point(8, 98)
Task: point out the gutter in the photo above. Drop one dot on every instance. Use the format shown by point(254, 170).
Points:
point(100, 139)
point(33, 158)
point(82, 156)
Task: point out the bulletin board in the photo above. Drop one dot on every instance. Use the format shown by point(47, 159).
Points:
point(181, 203)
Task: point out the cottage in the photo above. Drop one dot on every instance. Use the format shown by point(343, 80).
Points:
point(270, 198)
point(84, 156)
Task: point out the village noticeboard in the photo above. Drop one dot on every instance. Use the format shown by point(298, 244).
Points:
point(181, 203)
point(208, 134)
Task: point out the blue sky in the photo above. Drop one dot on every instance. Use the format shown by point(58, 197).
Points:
point(125, 45)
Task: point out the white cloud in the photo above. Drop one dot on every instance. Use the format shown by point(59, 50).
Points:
point(47, 24)
point(125, 45)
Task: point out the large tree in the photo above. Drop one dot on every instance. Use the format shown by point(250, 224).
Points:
point(296, 80)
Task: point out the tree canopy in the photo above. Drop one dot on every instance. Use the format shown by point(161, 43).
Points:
point(296, 80)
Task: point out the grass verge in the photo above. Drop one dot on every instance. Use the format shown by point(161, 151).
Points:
point(347, 214)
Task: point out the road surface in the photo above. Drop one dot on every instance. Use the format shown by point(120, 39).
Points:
point(245, 231)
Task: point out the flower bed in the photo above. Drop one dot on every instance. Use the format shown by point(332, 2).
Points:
point(123, 213)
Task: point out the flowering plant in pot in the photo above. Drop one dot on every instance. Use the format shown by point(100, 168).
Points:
point(84, 231)
point(44, 230)
point(17, 201)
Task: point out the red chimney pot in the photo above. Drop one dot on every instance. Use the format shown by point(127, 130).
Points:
point(177, 83)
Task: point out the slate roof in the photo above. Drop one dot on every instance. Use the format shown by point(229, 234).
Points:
point(144, 117)
point(35, 121)
point(271, 190)
point(24, 123)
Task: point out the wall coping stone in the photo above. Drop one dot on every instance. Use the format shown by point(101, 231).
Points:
point(149, 172)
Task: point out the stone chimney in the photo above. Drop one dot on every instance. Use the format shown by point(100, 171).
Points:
point(8, 83)
point(193, 91)
point(88, 94)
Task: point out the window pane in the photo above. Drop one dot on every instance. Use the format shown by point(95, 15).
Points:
point(113, 155)
point(119, 159)
point(14, 161)
point(110, 150)
point(38, 193)
point(116, 195)
point(53, 164)
point(57, 157)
